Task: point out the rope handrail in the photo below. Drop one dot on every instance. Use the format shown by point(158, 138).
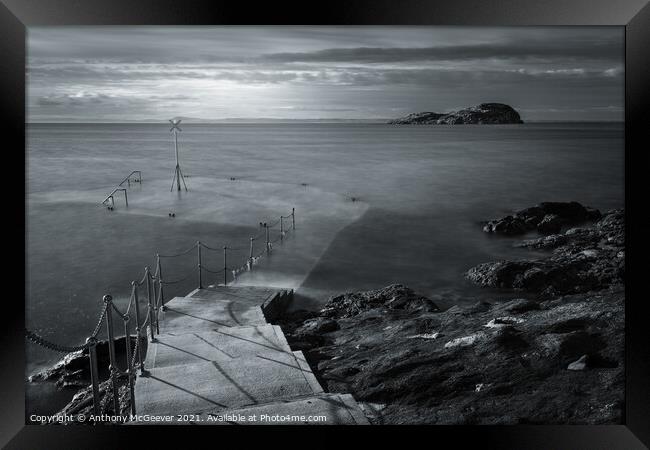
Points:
point(215, 249)
point(179, 280)
point(179, 254)
point(218, 272)
point(155, 303)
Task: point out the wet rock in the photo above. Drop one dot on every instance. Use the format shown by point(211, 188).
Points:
point(74, 370)
point(581, 260)
point(547, 217)
point(317, 325)
point(424, 366)
point(395, 348)
point(395, 296)
point(551, 223)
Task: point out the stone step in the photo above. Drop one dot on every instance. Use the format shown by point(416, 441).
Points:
point(191, 315)
point(243, 294)
point(220, 345)
point(324, 409)
point(215, 386)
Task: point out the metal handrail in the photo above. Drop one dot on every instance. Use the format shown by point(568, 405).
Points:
point(155, 302)
point(128, 178)
point(110, 196)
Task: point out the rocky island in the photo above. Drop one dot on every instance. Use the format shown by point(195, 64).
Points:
point(485, 113)
point(554, 355)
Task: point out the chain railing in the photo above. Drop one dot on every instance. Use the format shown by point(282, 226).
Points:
point(149, 327)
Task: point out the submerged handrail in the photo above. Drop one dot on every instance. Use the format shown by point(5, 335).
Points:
point(128, 178)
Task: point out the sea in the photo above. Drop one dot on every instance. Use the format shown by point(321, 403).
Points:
point(375, 204)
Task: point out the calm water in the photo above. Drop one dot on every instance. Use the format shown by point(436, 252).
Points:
point(420, 192)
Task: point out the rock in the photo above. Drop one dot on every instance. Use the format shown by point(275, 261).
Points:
point(395, 296)
point(318, 325)
point(396, 357)
point(551, 223)
point(485, 113)
point(580, 364)
point(73, 368)
point(417, 119)
point(581, 260)
point(547, 217)
point(386, 347)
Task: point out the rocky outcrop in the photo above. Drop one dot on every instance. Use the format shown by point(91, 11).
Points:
point(485, 113)
point(553, 356)
point(582, 259)
point(73, 369)
point(411, 366)
point(546, 218)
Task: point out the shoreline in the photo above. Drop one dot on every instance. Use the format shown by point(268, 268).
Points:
point(554, 355)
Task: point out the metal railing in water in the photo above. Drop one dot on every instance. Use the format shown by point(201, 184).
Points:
point(130, 178)
point(149, 326)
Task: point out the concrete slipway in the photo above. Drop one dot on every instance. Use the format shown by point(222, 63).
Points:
point(218, 361)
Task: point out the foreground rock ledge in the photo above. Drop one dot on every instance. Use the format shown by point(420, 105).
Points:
point(553, 356)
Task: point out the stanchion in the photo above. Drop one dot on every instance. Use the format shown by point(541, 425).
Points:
point(198, 246)
point(250, 257)
point(129, 361)
point(112, 367)
point(293, 218)
point(136, 303)
point(225, 266)
point(94, 373)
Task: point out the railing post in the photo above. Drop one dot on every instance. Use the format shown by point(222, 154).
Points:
point(129, 365)
point(160, 283)
point(94, 374)
point(293, 218)
point(108, 304)
point(266, 226)
point(250, 257)
point(143, 372)
point(198, 246)
point(281, 227)
point(126, 199)
point(150, 302)
point(225, 266)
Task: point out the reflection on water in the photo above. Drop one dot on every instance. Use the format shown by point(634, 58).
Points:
point(419, 192)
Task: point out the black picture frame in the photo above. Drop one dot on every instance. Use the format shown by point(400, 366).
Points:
point(17, 15)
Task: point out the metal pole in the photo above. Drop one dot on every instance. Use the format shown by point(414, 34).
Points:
point(150, 302)
point(267, 237)
point(250, 258)
point(225, 266)
point(137, 326)
point(129, 366)
point(281, 227)
point(126, 199)
point(198, 246)
point(160, 283)
point(94, 374)
point(178, 175)
point(293, 218)
point(108, 304)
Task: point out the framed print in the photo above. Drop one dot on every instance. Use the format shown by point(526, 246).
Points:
point(361, 215)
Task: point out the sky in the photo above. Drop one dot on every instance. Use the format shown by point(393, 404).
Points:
point(146, 73)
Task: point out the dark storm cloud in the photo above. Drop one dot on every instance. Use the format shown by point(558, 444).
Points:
point(554, 51)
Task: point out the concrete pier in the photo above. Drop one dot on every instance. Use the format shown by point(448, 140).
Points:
point(218, 361)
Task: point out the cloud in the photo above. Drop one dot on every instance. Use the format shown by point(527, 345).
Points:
point(531, 50)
